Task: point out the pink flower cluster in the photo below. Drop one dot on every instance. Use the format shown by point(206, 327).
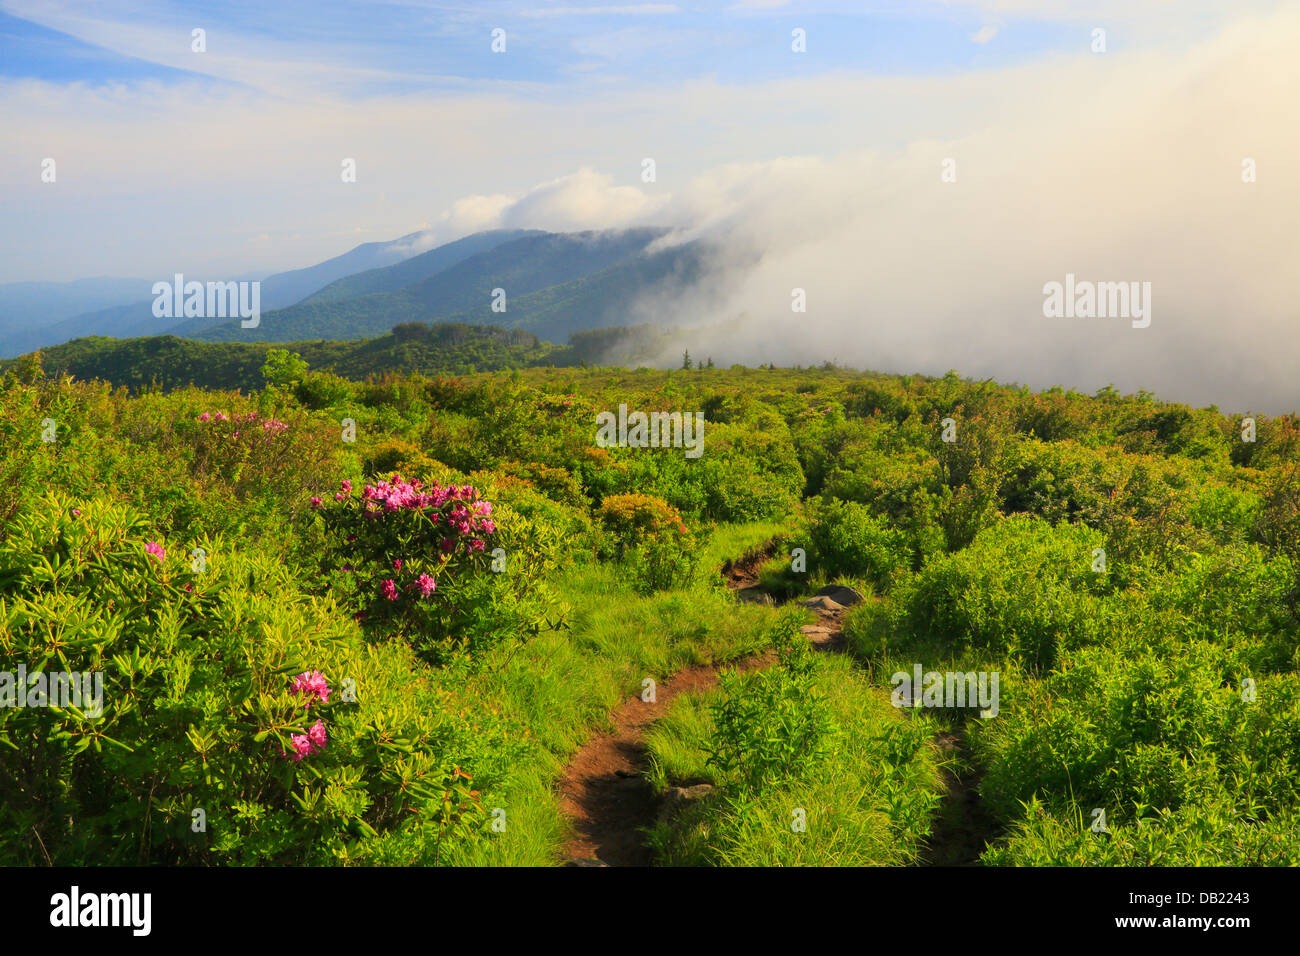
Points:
point(424, 584)
point(469, 514)
point(311, 686)
point(464, 518)
point(304, 745)
point(156, 550)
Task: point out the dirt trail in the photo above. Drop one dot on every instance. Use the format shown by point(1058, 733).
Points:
point(604, 791)
point(963, 828)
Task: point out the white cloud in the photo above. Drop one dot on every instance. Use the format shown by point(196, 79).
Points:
point(1129, 171)
point(585, 200)
point(984, 34)
point(636, 9)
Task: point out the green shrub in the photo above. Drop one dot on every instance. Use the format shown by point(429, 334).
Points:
point(199, 710)
point(773, 723)
point(848, 540)
point(1133, 728)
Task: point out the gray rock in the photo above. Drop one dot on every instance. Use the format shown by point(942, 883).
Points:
point(823, 605)
point(842, 594)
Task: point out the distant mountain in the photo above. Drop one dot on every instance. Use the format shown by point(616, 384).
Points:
point(410, 271)
point(26, 307)
point(121, 321)
point(286, 288)
point(545, 277)
point(601, 300)
point(36, 314)
point(554, 284)
point(35, 304)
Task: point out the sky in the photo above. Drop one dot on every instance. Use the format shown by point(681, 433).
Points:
point(821, 166)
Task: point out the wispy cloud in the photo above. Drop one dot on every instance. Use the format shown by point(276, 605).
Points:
point(634, 9)
point(984, 34)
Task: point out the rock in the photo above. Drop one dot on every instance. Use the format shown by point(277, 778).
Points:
point(842, 594)
point(677, 797)
point(754, 596)
point(589, 862)
point(627, 773)
point(823, 605)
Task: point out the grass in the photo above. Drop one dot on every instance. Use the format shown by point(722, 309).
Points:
point(561, 686)
point(730, 541)
point(868, 803)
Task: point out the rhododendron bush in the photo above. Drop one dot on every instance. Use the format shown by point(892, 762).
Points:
point(430, 564)
point(240, 721)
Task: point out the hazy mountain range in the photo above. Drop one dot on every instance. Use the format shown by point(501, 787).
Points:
point(552, 284)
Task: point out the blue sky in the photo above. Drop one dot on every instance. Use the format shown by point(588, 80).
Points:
point(414, 46)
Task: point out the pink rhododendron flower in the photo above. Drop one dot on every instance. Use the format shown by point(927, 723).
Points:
point(397, 564)
point(317, 734)
point(346, 486)
point(315, 502)
point(204, 417)
point(221, 417)
point(156, 550)
point(389, 589)
point(312, 686)
point(301, 747)
point(426, 585)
